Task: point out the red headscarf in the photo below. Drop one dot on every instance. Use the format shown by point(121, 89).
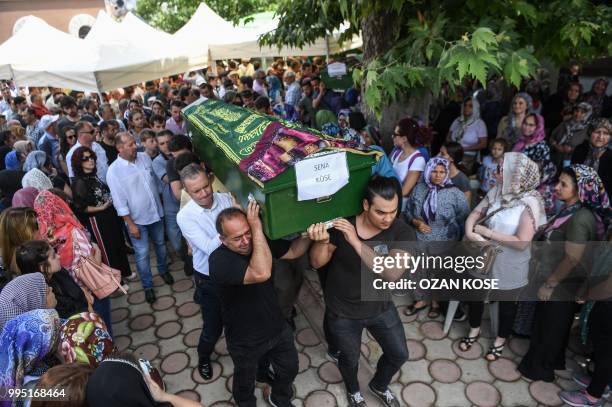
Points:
point(58, 225)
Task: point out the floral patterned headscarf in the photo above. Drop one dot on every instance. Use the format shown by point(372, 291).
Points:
point(430, 205)
point(58, 225)
point(84, 338)
point(521, 177)
point(25, 342)
point(592, 194)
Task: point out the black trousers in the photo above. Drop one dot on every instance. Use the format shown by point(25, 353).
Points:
point(551, 329)
point(600, 332)
point(507, 311)
point(281, 353)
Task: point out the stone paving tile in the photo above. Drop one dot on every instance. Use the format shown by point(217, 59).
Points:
point(450, 395)
point(170, 331)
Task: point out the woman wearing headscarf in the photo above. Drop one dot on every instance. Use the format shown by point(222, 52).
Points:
point(84, 338)
point(12, 161)
point(557, 105)
point(469, 131)
point(28, 344)
point(24, 198)
point(570, 134)
point(596, 97)
point(559, 271)
point(437, 210)
point(516, 211)
point(509, 127)
point(69, 238)
point(533, 144)
point(16, 158)
point(24, 294)
point(274, 93)
point(119, 381)
point(595, 152)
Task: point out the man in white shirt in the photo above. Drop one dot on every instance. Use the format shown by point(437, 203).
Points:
point(86, 136)
point(136, 198)
point(197, 223)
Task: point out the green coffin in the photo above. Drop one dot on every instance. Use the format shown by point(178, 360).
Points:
point(283, 214)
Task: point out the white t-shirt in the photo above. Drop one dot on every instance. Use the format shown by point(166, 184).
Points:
point(411, 163)
point(472, 133)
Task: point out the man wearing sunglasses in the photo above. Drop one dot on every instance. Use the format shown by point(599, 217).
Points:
point(86, 136)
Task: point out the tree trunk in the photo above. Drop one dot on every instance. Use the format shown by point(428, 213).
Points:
point(378, 33)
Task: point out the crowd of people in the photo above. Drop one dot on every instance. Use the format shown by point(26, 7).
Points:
point(88, 179)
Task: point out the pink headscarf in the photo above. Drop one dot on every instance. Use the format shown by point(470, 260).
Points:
point(537, 136)
point(24, 198)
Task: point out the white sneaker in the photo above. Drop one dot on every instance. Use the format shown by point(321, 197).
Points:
point(132, 277)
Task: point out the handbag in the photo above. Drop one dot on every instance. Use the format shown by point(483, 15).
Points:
point(488, 251)
point(101, 279)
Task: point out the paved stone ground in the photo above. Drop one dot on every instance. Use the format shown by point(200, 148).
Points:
point(437, 374)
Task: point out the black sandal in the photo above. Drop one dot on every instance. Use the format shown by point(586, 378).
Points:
point(495, 352)
point(467, 341)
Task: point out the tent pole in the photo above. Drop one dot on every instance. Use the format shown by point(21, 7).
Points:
point(326, 48)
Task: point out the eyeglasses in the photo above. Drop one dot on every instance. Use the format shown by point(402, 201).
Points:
point(86, 158)
point(70, 137)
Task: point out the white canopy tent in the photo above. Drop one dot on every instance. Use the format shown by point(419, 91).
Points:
point(226, 41)
point(116, 55)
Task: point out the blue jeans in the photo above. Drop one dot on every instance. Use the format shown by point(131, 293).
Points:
point(155, 233)
point(173, 232)
point(386, 328)
point(206, 295)
point(103, 308)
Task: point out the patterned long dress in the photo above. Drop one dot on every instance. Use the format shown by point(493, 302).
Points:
point(540, 154)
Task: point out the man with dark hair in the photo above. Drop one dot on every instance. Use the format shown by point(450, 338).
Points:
point(247, 98)
point(152, 91)
point(197, 223)
point(18, 107)
point(255, 329)
point(136, 198)
point(91, 111)
point(33, 131)
point(176, 124)
point(158, 123)
point(170, 203)
point(262, 105)
point(304, 107)
point(7, 139)
point(86, 136)
point(344, 250)
point(108, 130)
point(71, 113)
point(36, 103)
point(179, 144)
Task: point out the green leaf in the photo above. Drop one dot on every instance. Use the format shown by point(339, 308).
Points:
point(482, 38)
point(477, 69)
point(371, 76)
point(357, 75)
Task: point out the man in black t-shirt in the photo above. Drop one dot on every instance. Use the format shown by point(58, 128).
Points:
point(349, 265)
point(255, 329)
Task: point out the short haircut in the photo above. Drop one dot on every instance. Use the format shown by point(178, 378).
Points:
point(108, 123)
point(89, 102)
point(30, 255)
point(385, 187)
point(5, 136)
point(247, 80)
point(165, 132)
point(77, 159)
point(180, 142)
point(31, 111)
point(454, 150)
point(67, 101)
point(177, 103)
point(184, 160)
point(19, 100)
point(149, 83)
point(189, 171)
point(155, 118)
point(247, 93)
point(121, 136)
point(225, 215)
point(501, 141)
point(262, 102)
point(195, 93)
point(146, 134)
point(81, 125)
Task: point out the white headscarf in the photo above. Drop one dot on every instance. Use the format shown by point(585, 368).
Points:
point(37, 179)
